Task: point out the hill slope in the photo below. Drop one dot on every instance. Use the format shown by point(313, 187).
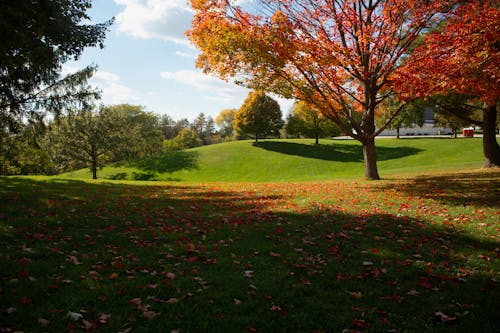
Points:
point(298, 160)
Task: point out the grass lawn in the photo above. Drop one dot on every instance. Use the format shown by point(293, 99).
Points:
point(298, 160)
point(415, 254)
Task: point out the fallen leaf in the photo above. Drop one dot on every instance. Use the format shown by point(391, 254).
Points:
point(355, 294)
point(248, 274)
point(11, 310)
point(87, 325)
point(150, 314)
point(359, 323)
point(276, 308)
point(75, 316)
point(444, 318)
point(172, 300)
point(43, 322)
point(104, 318)
point(74, 260)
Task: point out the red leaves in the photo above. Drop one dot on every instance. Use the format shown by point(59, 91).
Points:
point(462, 57)
point(245, 246)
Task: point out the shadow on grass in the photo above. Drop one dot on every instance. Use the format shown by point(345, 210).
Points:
point(335, 152)
point(217, 259)
point(169, 162)
point(458, 189)
point(165, 163)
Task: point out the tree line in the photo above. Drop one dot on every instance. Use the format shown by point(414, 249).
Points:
point(93, 137)
point(363, 66)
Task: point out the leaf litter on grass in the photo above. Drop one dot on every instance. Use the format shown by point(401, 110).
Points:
point(332, 256)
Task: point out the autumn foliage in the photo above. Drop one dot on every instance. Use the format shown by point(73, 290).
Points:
point(463, 57)
point(336, 55)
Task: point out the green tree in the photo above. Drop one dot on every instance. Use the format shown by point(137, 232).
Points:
point(259, 116)
point(167, 126)
point(199, 126)
point(450, 120)
point(187, 138)
point(22, 151)
point(37, 38)
point(293, 126)
point(79, 137)
point(225, 122)
point(412, 114)
point(134, 132)
point(309, 122)
point(457, 111)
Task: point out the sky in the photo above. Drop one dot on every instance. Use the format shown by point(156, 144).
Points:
point(148, 61)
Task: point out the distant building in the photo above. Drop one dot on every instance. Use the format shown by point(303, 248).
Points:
point(427, 128)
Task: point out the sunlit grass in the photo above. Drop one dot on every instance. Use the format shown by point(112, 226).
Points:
point(298, 160)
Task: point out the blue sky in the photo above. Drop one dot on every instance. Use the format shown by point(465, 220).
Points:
point(148, 61)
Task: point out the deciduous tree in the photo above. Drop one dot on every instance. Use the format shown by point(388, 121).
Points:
point(259, 116)
point(225, 122)
point(412, 114)
point(309, 122)
point(82, 137)
point(134, 132)
point(463, 57)
point(336, 55)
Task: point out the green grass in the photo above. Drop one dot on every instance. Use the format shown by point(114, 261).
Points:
point(298, 160)
point(410, 254)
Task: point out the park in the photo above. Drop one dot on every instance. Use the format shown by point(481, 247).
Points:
point(114, 218)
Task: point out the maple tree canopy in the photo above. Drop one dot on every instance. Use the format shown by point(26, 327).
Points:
point(337, 55)
point(463, 57)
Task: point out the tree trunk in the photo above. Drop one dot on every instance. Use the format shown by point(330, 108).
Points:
point(94, 169)
point(397, 133)
point(370, 158)
point(94, 163)
point(491, 148)
point(317, 138)
point(256, 137)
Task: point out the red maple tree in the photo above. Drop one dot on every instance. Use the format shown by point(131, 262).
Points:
point(463, 57)
point(336, 55)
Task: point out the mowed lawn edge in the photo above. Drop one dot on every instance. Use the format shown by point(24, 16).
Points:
point(297, 160)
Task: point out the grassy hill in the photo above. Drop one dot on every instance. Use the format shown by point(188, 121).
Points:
point(298, 160)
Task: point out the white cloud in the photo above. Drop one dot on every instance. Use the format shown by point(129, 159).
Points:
point(185, 54)
point(155, 19)
point(107, 77)
point(220, 90)
point(113, 90)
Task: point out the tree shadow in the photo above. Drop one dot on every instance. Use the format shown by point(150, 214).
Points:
point(458, 189)
point(333, 151)
point(215, 259)
point(165, 163)
point(169, 162)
